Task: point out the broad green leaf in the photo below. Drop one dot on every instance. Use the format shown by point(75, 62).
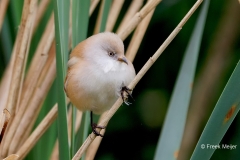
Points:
point(221, 118)
point(80, 19)
point(172, 132)
point(61, 17)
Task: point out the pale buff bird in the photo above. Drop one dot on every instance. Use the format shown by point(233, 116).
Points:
point(98, 73)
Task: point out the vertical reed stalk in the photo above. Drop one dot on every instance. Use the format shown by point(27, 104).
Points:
point(113, 14)
point(22, 48)
point(129, 27)
point(132, 10)
point(138, 36)
point(31, 81)
point(43, 4)
point(42, 127)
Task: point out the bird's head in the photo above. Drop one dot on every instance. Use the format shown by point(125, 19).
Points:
point(106, 47)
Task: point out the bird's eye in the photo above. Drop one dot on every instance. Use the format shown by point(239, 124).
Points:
point(111, 54)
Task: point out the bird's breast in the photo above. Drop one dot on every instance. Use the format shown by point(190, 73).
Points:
point(96, 88)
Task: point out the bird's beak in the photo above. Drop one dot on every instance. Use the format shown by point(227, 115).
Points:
point(123, 59)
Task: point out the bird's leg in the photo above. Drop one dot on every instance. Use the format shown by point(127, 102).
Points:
point(94, 126)
point(128, 91)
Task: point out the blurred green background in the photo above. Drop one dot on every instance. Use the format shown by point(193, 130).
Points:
point(134, 130)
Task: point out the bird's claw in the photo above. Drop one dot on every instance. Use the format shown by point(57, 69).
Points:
point(128, 91)
point(94, 126)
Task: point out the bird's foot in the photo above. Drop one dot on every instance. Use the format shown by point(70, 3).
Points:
point(128, 91)
point(94, 127)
